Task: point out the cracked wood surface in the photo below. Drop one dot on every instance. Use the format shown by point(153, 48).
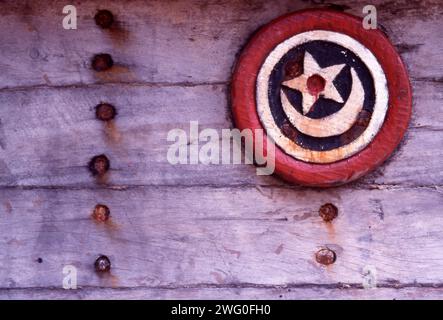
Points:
point(197, 231)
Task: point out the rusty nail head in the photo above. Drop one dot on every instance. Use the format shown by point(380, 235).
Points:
point(105, 112)
point(102, 62)
point(101, 213)
point(102, 264)
point(325, 256)
point(328, 212)
point(104, 19)
point(99, 165)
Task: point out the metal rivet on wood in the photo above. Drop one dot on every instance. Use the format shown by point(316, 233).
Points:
point(99, 165)
point(105, 112)
point(325, 256)
point(104, 19)
point(101, 213)
point(102, 62)
point(328, 212)
point(102, 264)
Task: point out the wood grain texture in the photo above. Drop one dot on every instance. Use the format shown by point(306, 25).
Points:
point(191, 41)
point(49, 135)
point(176, 236)
point(196, 231)
point(220, 293)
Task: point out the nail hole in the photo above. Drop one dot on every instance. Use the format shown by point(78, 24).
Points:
point(102, 62)
point(101, 213)
point(105, 112)
point(102, 264)
point(99, 165)
point(104, 19)
point(325, 256)
point(328, 212)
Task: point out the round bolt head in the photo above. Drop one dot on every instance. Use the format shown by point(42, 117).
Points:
point(102, 62)
point(328, 212)
point(101, 213)
point(104, 19)
point(105, 112)
point(102, 264)
point(99, 165)
point(325, 256)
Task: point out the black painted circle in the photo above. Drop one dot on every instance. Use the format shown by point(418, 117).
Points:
point(326, 54)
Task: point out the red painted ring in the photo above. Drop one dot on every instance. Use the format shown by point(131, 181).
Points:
point(243, 99)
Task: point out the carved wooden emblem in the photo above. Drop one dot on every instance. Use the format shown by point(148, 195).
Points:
point(334, 97)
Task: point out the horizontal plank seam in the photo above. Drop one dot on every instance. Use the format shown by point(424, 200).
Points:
point(341, 286)
point(435, 187)
point(427, 79)
point(126, 84)
point(425, 128)
point(154, 84)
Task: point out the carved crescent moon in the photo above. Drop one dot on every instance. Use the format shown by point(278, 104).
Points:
point(334, 124)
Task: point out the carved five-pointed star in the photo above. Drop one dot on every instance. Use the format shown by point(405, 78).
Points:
point(315, 82)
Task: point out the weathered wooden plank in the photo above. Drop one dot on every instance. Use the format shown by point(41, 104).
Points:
point(196, 231)
point(47, 137)
point(220, 293)
point(175, 236)
point(158, 41)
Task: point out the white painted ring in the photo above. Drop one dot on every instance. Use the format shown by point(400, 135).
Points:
point(343, 152)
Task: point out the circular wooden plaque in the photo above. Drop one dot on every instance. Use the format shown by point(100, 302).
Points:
point(333, 97)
